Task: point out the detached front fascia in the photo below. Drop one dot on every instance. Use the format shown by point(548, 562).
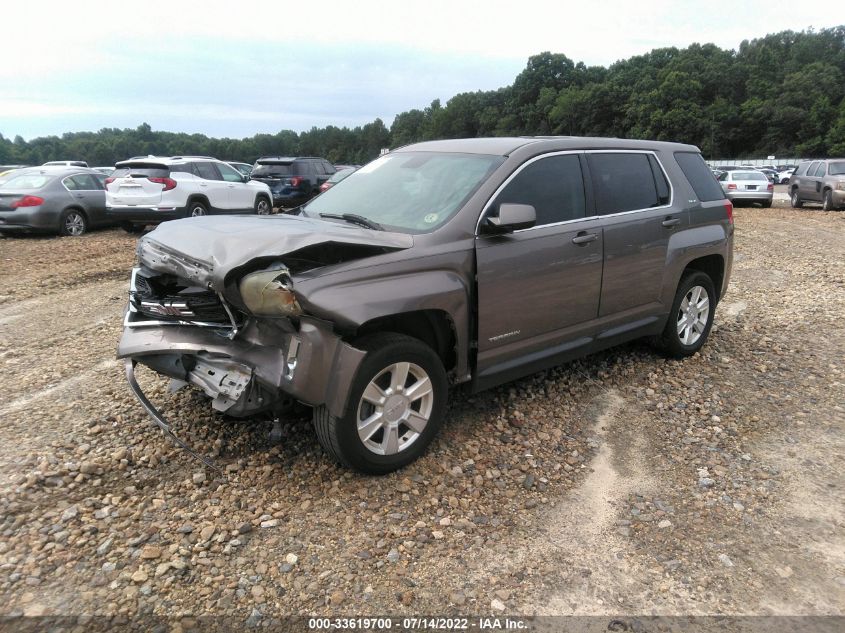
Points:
point(250, 373)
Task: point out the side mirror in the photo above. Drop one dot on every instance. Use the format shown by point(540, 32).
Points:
point(512, 217)
point(246, 178)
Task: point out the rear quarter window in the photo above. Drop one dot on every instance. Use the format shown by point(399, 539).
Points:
point(699, 176)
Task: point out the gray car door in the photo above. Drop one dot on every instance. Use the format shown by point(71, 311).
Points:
point(88, 192)
point(807, 182)
point(539, 287)
point(633, 198)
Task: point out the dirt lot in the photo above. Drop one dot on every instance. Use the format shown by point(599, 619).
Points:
point(620, 484)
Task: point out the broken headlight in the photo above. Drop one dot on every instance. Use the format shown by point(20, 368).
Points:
point(269, 293)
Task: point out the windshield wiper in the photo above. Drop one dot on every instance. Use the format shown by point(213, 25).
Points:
point(354, 218)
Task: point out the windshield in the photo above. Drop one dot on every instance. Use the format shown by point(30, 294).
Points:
point(25, 181)
point(837, 169)
point(413, 192)
point(276, 169)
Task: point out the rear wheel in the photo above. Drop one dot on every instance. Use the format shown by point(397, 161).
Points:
point(691, 317)
point(394, 409)
point(196, 209)
point(73, 223)
point(766, 204)
point(795, 199)
point(262, 206)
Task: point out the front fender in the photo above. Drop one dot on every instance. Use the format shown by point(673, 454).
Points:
point(352, 303)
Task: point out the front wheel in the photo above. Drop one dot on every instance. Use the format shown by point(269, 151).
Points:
point(394, 409)
point(827, 202)
point(795, 199)
point(73, 222)
point(691, 317)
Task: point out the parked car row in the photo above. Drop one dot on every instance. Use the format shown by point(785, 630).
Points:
point(148, 190)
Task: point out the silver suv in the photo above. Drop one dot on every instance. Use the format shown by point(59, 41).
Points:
point(819, 181)
point(150, 190)
point(447, 264)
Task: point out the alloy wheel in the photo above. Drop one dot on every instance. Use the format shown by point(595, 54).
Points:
point(395, 408)
point(74, 224)
point(692, 315)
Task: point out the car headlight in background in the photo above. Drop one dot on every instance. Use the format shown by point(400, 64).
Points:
point(840, 186)
point(269, 293)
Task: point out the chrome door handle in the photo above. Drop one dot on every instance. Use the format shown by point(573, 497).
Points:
point(584, 238)
point(670, 222)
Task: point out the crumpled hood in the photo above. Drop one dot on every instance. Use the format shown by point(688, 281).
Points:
point(205, 249)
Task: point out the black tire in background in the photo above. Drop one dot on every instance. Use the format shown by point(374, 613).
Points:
point(795, 199)
point(196, 209)
point(827, 204)
point(73, 223)
point(339, 436)
point(132, 228)
point(670, 341)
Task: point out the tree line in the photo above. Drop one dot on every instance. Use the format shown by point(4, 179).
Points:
point(782, 94)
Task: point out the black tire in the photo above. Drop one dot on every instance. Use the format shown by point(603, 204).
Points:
point(133, 228)
point(766, 204)
point(670, 341)
point(339, 436)
point(196, 209)
point(827, 201)
point(263, 206)
point(795, 199)
point(73, 223)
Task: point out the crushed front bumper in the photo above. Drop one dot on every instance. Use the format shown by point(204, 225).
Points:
point(264, 365)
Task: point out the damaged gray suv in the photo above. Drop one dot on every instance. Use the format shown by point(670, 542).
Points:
point(441, 264)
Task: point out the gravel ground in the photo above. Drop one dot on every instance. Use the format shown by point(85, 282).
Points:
point(624, 483)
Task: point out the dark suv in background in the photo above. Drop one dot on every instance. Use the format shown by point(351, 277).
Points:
point(292, 180)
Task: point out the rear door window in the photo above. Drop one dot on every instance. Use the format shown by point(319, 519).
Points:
point(820, 170)
point(554, 186)
point(207, 171)
point(699, 176)
point(622, 182)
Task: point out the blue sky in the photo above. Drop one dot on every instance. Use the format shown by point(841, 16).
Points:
point(237, 69)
